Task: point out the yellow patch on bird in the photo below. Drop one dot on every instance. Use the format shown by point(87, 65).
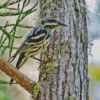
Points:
point(50, 24)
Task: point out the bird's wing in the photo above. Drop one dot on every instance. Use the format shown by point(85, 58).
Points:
point(21, 49)
point(34, 38)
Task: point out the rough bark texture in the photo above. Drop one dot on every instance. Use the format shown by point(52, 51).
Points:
point(66, 77)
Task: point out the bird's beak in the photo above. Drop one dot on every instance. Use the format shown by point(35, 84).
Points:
point(61, 24)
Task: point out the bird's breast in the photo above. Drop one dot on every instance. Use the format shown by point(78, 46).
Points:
point(39, 46)
point(34, 50)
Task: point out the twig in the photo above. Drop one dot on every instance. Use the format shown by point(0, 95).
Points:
point(14, 73)
point(9, 47)
point(20, 26)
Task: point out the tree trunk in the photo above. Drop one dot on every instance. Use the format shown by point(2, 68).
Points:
point(66, 77)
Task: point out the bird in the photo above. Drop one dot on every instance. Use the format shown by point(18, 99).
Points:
point(36, 41)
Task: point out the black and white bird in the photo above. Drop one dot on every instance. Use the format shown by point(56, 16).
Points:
point(36, 41)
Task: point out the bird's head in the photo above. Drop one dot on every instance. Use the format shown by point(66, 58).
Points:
point(51, 23)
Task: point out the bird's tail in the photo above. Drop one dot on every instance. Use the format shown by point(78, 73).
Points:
point(20, 62)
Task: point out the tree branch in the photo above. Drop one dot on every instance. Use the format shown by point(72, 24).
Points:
point(14, 73)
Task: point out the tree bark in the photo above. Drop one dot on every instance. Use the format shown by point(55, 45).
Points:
point(66, 77)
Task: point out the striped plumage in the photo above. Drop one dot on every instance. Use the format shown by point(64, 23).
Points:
point(36, 41)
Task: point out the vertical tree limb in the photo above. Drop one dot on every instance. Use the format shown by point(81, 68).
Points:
point(66, 77)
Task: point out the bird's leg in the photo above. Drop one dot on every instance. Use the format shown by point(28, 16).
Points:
point(39, 59)
point(49, 59)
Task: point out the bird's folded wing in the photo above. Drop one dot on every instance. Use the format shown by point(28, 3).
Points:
point(35, 41)
point(20, 50)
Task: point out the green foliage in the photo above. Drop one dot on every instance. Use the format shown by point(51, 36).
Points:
point(21, 14)
point(4, 95)
point(94, 72)
point(5, 82)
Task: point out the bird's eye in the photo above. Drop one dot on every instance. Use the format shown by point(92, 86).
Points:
point(50, 26)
